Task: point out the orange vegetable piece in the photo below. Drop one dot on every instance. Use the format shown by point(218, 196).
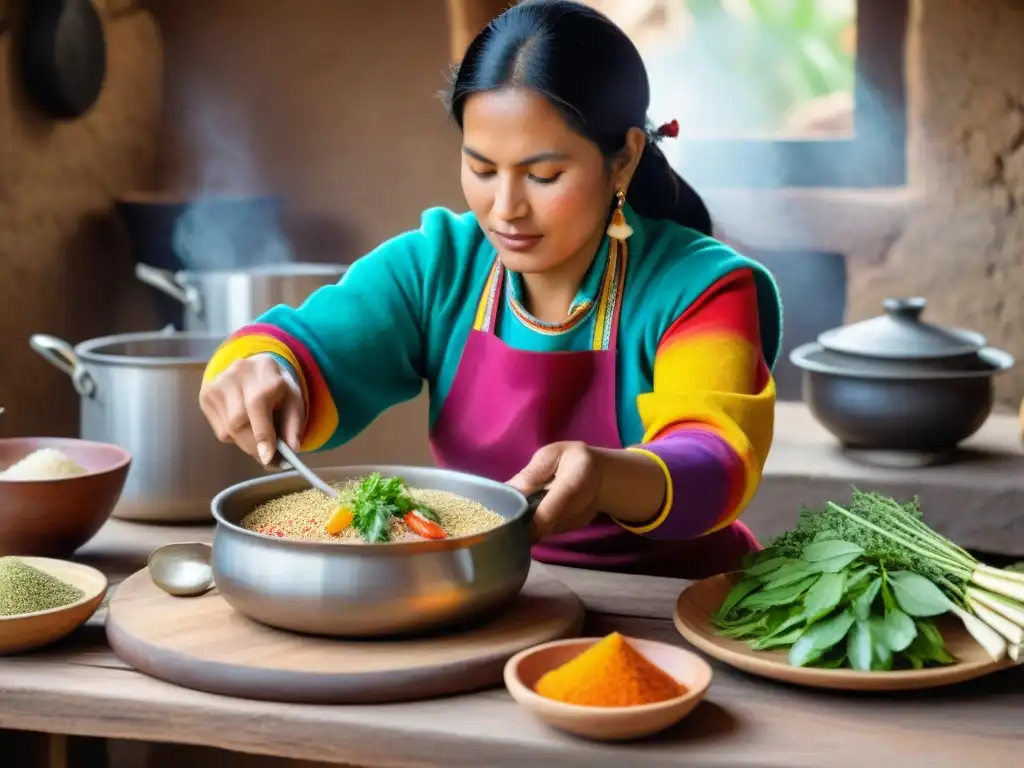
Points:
point(339, 521)
point(611, 673)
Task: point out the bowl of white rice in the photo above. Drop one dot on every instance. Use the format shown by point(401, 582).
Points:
point(56, 493)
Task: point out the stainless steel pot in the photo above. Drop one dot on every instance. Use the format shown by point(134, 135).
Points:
point(897, 383)
point(223, 301)
point(370, 590)
point(141, 391)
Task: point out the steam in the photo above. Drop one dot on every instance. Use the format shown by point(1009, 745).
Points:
point(227, 225)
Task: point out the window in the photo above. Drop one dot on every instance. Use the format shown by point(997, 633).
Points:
point(776, 93)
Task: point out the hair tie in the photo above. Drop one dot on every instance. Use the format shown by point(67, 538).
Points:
point(668, 130)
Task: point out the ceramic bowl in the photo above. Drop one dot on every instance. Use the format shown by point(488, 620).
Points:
point(53, 518)
point(27, 631)
point(607, 723)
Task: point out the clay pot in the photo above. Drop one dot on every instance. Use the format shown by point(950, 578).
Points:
point(897, 383)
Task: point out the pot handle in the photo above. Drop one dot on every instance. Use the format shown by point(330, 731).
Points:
point(171, 284)
point(61, 356)
point(532, 502)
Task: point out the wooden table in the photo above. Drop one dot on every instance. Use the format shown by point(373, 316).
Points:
point(81, 688)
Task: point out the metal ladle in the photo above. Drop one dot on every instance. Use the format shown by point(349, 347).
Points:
point(184, 569)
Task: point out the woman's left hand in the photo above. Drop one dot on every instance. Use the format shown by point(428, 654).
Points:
point(571, 473)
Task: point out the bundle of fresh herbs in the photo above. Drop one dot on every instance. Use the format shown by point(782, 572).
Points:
point(859, 586)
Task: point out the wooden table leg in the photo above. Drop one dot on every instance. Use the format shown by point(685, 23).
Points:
point(25, 749)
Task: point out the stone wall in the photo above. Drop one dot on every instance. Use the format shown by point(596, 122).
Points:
point(65, 267)
point(963, 246)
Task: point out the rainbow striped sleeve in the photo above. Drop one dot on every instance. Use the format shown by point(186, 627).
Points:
point(259, 338)
point(710, 419)
point(359, 346)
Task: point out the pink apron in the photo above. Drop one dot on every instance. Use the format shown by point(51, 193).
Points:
point(507, 403)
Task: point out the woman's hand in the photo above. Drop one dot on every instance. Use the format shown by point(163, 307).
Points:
point(570, 471)
point(242, 402)
point(582, 481)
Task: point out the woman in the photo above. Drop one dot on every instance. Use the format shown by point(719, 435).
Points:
point(579, 329)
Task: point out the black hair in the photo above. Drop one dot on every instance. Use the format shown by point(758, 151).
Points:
point(587, 67)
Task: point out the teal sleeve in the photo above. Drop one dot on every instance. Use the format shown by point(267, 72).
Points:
point(361, 343)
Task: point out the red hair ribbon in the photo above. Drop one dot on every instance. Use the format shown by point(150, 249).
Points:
point(669, 130)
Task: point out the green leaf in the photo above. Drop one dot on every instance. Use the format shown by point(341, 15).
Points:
point(834, 564)
point(915, 661)
point(833, 663)
point(929, 644)
point(768, 598)
point(791, 621)
point(737, 618)
point(917, 596)
point(740, 590)
point(766, 566)
point(824, 595)
point(898, 631)
point(777, 641)
point(882, 658)
point(862, 605)
point(860, 646)
point(887, 599)
point(790, 573)
point(744, 630)
point(858, 576)
point(827, 550)
point(819, 638)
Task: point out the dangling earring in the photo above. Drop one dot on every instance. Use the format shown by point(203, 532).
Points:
point(619, 227)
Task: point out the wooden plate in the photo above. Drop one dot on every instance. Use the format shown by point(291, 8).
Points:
point(203, 643)
point(701, 599)
point(34, 630)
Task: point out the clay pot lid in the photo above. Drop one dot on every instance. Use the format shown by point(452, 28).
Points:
point(901, 334)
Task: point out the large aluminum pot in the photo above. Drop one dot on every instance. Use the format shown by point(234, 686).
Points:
point(370, 590)
point(899, 385)
point(141, 391)
point(222, 301)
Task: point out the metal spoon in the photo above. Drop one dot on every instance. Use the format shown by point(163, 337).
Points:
point(300, 466)
point(182, 569)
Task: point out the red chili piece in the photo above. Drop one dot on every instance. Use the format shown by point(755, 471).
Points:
point(419, 525)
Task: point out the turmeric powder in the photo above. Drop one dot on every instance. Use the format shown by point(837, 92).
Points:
point(611, 673)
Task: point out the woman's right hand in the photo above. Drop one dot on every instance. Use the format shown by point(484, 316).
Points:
point(243, 401)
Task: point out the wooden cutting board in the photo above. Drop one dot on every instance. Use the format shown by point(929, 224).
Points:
point(203, 643)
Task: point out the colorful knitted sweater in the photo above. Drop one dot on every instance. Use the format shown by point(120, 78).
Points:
point(699, 330)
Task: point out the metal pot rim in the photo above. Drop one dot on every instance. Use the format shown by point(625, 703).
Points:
point(401, 548)
point(1000, 361)
point(88, 350)
point(302, 269)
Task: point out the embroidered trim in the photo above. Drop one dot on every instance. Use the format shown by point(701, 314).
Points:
point(606, 324)
point(486, 310)
point(575, 318)
point(608, 305)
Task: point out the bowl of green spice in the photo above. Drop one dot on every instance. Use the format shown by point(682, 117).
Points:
point(44, 600)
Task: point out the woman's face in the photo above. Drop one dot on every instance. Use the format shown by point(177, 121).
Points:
point(540, 191)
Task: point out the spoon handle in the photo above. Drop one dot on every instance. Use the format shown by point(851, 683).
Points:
point(300, 466)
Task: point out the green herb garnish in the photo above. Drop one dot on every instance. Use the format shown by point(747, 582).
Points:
point(377, 500)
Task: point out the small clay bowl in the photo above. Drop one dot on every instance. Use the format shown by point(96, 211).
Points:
point(53, 518)
point(27, 631)
point(607, 723)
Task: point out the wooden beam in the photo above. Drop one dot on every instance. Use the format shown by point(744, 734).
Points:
point(465, 20)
